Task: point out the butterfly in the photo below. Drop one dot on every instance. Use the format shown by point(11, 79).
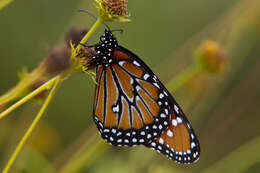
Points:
point(132, 107)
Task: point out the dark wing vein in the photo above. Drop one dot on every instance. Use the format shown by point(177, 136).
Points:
point(145, 104)
point(105, 95)
point(98, 89)
point(121, 93)
point(134, 77)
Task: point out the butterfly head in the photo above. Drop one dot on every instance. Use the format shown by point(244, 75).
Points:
point(107, 40)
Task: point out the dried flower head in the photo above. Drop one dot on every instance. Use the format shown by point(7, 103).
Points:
point(112, 10)
point(58, 60)
point(211, 57)
point(118, 7)
point(82, 60)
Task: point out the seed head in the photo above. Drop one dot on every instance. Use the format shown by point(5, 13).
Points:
point(58, 60)
point(110, 10)
point(118, 7)
point(82, 61)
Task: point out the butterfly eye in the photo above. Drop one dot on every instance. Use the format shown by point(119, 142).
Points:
point(132, 107)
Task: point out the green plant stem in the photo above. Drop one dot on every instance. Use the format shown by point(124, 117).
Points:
point(179, 80)
point(98, 22)
point(45, 86)
point(15, 92)
point(32, 126)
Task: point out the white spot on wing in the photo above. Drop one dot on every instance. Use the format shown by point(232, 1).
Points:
point(131, 80)
point(163, 115)
point(179, 120)
point(161, 141)
point(136, 63)
point(138, 88)
point(155, 84)
point(161, 96)
point(146, 76)
point(176, 109)
point(174, 122)
point(121, 63)
point(193, 145)
point(169, 133)
point(116, 108)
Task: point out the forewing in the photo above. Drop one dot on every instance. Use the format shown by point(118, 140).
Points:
point(133, 111)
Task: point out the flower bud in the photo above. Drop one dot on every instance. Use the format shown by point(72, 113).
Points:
point(211, 57)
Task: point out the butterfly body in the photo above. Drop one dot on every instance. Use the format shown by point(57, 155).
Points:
point(132, 107)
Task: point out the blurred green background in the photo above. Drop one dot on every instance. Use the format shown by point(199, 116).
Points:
point(223, 108)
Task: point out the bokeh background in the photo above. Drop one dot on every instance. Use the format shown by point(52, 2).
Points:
point(223, 107)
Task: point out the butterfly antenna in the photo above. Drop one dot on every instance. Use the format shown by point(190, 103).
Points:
point(118, 30)
point(95, 17)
